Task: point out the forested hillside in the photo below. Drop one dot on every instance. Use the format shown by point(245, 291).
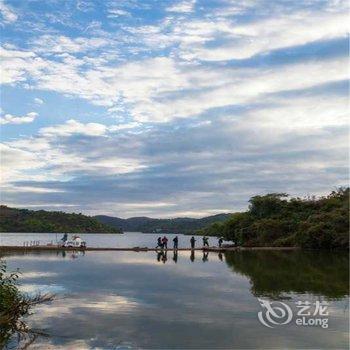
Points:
point(23, 220)
point(145, 224)
point(276, 220)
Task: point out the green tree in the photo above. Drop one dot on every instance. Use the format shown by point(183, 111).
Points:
point(275, 220)
point(268, 205)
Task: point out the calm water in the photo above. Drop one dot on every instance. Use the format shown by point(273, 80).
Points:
point(128, 300)
point(127, 240)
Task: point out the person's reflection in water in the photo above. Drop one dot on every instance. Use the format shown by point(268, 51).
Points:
point(192, 257)
point(63, 253)
point(175, 256)
point(159, 255)
point(220, 256)
point(205, 256)
point(164, 257)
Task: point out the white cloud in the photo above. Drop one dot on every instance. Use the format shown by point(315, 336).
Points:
point(85, 5)
point(28, 189)
point(15, 162)
point(248, 39)
point(7, 13)
point(182, 6)
point(252, 85)
point(10, 119)
point(15, 64)
point(220, 35)
point(73, 127)
point(164, 171)
point(303, 114)
point(145, 205)
point(64, 44)
point(153, 89)
point(115, 12)
point(49, 156)
point(269, 123)
point(119, 127)
point(38, 101)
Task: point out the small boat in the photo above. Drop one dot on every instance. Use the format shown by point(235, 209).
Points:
point(75, 242)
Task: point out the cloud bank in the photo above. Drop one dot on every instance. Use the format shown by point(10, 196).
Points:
point(188, 108)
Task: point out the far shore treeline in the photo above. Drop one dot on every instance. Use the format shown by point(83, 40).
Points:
point(273, 219)
point(277, 220)
point(36, 221)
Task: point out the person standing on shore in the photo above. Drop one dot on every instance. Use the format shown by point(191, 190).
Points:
point(64, 239)
point(159, 243)
point(165, 242)
point(176, 242)
point(220, 242)
point(193, 242)
point(205, 242)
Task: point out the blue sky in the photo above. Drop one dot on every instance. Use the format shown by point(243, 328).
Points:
point(171, 108)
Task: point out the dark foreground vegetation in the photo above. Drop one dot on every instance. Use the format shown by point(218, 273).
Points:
point(276, 220)
point(14, 307)
point(23, 220)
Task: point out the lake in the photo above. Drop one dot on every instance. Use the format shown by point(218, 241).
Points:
point(145, 300)
point(126, 240)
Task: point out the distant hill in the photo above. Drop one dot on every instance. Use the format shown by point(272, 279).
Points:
point(147, 225)
point(23, 220)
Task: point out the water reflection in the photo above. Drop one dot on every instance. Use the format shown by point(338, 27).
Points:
point(182, 299)
point(71, 254)
point(162, 256)
point(274, 273)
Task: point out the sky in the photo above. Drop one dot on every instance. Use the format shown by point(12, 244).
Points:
point(171, 108)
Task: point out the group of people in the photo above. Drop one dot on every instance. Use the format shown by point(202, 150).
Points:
point(162, 243)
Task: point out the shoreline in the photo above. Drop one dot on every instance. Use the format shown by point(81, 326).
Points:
point(138, 249)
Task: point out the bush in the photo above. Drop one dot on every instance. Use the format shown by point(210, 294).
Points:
point(13, 307)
